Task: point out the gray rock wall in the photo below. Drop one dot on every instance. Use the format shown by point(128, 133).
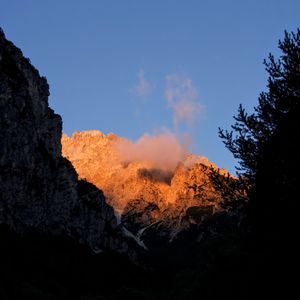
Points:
point(39, 189)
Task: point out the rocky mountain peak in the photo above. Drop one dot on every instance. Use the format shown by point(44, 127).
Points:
point(141, 194)
point(41, 191)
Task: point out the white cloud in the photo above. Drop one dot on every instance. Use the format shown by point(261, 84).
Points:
point(182, 96)
point(163, 150)
point(144, 87)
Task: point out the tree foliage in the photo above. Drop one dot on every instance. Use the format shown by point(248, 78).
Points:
point(234, 191)
point(266, 143)
point(252, 132)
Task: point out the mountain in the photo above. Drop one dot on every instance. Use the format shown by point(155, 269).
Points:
point(150, 202)
point(60, 239)
point(39, 188)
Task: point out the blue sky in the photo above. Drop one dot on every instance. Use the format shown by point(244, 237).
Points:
point(109, 63)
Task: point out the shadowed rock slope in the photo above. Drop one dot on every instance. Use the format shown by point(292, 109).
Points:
point(39, 189)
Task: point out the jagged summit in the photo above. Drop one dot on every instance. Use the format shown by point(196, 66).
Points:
point(97, 159)
point(141, 194)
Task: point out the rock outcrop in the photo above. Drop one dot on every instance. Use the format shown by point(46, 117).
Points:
point(39, 189)
point(146, 199)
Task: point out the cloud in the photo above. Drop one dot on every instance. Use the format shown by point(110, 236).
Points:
point(182, 96)
point(144, 87)
point(162, 151)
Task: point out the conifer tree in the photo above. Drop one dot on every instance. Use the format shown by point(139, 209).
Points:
point(252, 133)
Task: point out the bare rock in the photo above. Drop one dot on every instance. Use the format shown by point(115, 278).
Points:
point(145, 198)
point(39, 189)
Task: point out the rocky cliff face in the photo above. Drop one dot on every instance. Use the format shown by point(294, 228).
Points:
point(39, 189)
point(146, 199)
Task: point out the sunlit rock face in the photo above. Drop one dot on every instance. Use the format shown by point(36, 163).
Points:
point(39, 189)
point(144, 198)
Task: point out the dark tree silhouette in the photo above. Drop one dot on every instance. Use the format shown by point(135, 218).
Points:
point(266, 143)
point(252, 133)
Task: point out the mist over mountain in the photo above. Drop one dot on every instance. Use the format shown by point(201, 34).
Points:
point(152, 184)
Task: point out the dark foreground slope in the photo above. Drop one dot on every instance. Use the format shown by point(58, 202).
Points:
point(39, 267)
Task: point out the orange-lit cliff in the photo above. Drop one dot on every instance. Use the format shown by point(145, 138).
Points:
point(143, 195)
